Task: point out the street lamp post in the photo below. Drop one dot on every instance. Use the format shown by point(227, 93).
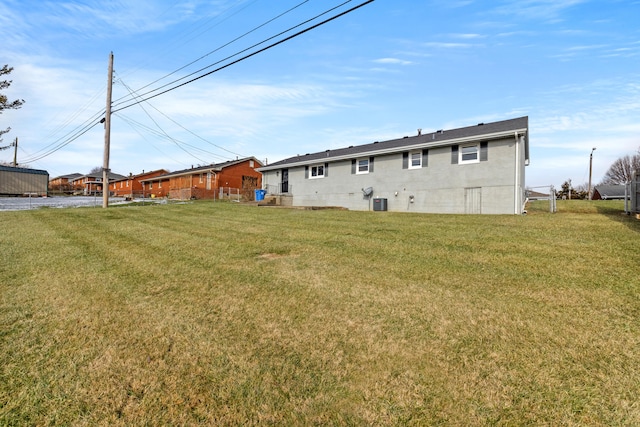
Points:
point(590, 169)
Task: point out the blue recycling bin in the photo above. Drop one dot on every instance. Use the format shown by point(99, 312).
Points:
point(260, 195)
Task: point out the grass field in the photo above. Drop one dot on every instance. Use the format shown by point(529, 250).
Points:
point(228, 314)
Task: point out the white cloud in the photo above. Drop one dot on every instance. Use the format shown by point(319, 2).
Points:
point(550, 10)
point(468, 36)
point(447, 45)
point(394, 61)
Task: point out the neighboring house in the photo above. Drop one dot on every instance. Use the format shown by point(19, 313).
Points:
point(208, 182)
point(15, 181)
point(475, 169)
point(62, 184)
point(91, 184)
point(132, 185)
point(609, 192)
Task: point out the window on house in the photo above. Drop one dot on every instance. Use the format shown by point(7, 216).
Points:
point(201, 178)
point(362, 166)
point(159, 184)
point(317, 171)
point(251, 163)
point(415, 160)
point(150, 185)
point(469, 153)
point(127, 184)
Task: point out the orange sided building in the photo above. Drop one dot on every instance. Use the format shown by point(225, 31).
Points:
point(132, 185)
point(91, 183)
point(219, 180)
point(62, 183)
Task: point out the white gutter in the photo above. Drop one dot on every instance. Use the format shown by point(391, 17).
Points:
point(302, 162)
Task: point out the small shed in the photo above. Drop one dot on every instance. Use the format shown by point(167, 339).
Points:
point(609, 192)
point(15, 181)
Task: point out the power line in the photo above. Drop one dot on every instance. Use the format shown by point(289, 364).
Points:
point(75, 136)
point(175, 122)
point(81, 110)
point(163, 132)
point(93, 120)
point(62, 142)
point(135, 124)
point(216, 50)
point(299, 33)
point(193, 30)
point(121, 101)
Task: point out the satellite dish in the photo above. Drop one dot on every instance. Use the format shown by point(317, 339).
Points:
point(367, 191)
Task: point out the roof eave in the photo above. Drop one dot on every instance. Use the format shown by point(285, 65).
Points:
point(416, 146)
point(178, 174)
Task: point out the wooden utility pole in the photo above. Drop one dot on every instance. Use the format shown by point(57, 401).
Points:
point(590, 170)
point(15, 152)
point(107, 138)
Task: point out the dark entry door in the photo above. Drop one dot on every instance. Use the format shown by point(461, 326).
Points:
point(284, 185)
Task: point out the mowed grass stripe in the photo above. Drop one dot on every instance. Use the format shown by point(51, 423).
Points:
point(228, 314)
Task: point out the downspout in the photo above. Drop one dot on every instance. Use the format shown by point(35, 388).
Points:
point(516, 201)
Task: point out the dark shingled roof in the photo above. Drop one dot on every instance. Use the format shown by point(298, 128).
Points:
point(68, 176)
point(608, 192)
point(111, 176)
point(23, 170)
point(438, 138)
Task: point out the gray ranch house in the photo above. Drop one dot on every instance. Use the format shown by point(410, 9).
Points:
point(475, 170)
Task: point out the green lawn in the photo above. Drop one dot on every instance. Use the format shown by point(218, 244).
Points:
point(227, 314)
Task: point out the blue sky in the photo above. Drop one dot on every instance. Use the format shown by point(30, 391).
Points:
point(380, 72)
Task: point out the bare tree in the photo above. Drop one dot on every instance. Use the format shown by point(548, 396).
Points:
point(5, 104)
point(620, 172)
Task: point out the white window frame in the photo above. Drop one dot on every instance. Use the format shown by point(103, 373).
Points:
point(462, 153)
point(417, 154)
point(314, 171)
point(361, 168)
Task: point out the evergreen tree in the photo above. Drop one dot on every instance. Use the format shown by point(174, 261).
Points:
point(5, 104)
